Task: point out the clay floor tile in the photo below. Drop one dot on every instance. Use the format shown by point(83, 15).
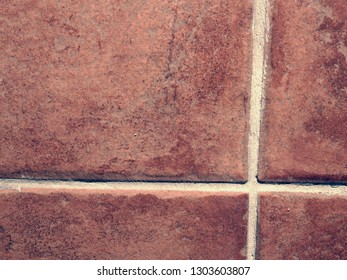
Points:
point(302, 226)
point(92, 225)
point(125, 90)
point(304, 125)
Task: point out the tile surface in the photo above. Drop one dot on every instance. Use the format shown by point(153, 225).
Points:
point(304, 128)
point(111, 226)
point(136, 90)
point(299, 226)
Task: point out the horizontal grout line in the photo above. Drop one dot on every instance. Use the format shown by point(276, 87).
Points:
point(302, 183)
point(293, 188)
point(14, 183)
point(250, 187)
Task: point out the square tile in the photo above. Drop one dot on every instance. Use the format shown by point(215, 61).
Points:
point(125, 90)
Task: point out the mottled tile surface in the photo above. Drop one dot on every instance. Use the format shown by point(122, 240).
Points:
point(302, 226)
point(304, 132)
point(136, 89)
point(111, 226)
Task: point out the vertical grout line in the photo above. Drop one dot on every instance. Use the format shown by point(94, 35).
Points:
point(258, 69)
point(252, 222)
point(257, 88)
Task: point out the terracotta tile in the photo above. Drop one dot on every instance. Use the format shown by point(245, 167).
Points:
point(304, 131)
point(134, 90)
point(72, 225)
point(299, 226)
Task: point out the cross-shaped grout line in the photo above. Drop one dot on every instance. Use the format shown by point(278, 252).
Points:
point(252, 187)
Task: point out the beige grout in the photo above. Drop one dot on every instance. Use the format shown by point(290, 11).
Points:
point(257, 89)
point(18, 184)
point(259, 38)
point(252, 187)
point(142, 186)
point(252, 222)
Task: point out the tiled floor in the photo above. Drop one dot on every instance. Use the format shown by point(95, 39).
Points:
point(173, 91)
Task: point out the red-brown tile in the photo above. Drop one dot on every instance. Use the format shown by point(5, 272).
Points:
point(299, 226)
point(304, 131)
point(140, 90)
point(72, 225)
